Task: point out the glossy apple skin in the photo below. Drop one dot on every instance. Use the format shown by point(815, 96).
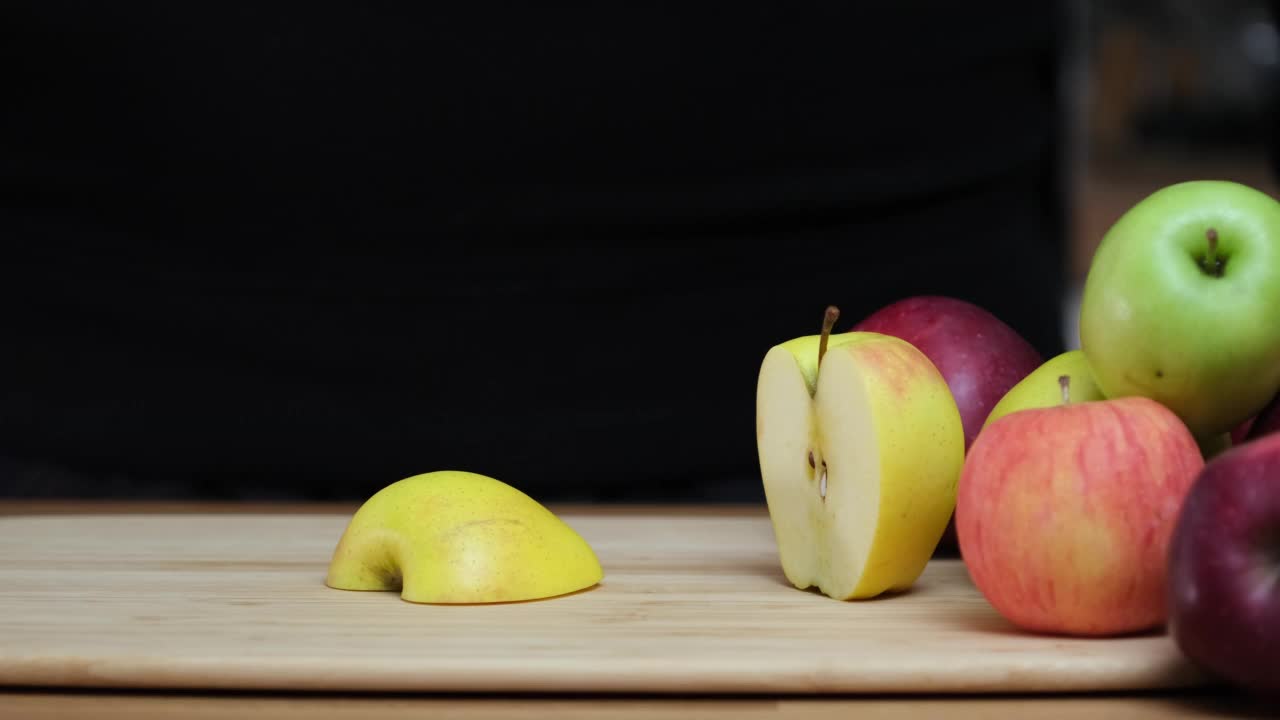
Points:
point(979, 356)
point(1267, 421)
point(1154, 323)
point(1064, 514)
point(1224, 568)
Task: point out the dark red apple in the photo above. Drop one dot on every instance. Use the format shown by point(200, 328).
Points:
point(1267, 421)
point(1224, 568)
point(979, 356)
point(1240, 433)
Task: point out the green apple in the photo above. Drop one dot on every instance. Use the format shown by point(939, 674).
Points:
point(454, 537)
point(860, 445)
point(1182, 304)
point(1214, 445)
point(1042, 388)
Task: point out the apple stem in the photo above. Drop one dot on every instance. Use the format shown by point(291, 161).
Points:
point(1064, 382)
point(828, 322)
point(1212, 264)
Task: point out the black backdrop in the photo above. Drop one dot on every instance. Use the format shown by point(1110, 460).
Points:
point(305, 249)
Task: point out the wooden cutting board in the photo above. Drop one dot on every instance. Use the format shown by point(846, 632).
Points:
point(690, 603)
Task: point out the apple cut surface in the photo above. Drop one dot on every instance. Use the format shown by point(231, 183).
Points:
point(859, 461)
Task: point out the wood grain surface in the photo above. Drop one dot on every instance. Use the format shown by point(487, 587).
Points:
point(153, 705)
point(690, 604)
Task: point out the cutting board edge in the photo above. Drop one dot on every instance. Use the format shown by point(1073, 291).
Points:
point(107, 674)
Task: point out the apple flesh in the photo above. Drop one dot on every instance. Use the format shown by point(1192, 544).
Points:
point(859, 458)
point(979, 356)
point(1180, 304)
point(1224, 568)
point(1064, 514)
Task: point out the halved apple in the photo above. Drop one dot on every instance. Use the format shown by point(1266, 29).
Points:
point(860, 445)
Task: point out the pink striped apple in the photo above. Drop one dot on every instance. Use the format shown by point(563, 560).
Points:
point(1064, 514)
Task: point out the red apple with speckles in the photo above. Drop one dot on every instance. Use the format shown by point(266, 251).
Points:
point(979, 356)
point(1224, 568)
point(1064, 514)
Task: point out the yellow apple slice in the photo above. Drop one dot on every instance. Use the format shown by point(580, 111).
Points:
point(459, 537)
point(860, 457)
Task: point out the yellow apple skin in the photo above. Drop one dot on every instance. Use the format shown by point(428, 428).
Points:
point(1041, 389)
point(458, 537)
point(915, 437)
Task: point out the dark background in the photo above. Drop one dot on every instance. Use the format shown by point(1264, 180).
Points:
point(306, 249)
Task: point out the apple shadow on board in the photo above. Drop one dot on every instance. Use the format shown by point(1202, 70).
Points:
point(781, 579)
point(983, 618)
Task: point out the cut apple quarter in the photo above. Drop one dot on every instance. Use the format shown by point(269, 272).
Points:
point(860, 455)
point(457, 537)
